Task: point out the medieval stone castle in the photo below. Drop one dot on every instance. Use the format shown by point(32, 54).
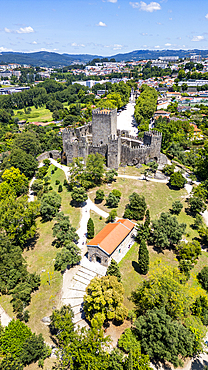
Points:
point(118, 147)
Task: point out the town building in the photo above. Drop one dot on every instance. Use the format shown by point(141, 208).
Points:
point(111, 242)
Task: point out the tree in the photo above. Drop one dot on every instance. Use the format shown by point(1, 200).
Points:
point(163, 338)
point(20, 159)
point(203, 278)
point(112, 215)
point(37, 186)
point(110, 175)
point(113, 270)
point(63, 231)
point(60, 189)
point(166, 288)
point(128, 340)
point(13, 338)
point(143, 230)
point(68, 256)
point(136, 207)
point(11, 363)
point(61, 325)
point(79, 195)
point(169, 169)
point(200, 309)
point(104, 300)
point(112, 201)
point(16, 212)
point(99, 195)
point(196, 205)
point(166, 231)
point(17, 181)
point(177, 180)
point(50, 204)
point(117, 193)
point(34, 349)
point(94, 171)
point(177, 206)
point(153, 166)
point(143, 259)
point(28, 142)
point(90, 229)
point(189, 251)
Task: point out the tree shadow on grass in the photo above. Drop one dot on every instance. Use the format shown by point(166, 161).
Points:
point(135, 265)
point(161, 365)
point(77, 205)
point(31, 243)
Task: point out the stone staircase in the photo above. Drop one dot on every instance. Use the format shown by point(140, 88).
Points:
point(77, 288)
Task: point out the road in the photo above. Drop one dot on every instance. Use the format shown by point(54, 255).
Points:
point(126, 120)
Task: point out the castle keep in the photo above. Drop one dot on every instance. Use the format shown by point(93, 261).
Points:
point(102, 136)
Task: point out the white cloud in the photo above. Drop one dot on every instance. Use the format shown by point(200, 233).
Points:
point(146, 7)
point(112, 1)
point(117, 47)
point(25, 30)
point(167, 44)
point(198, 38)
point(4, 49)
point(34, 42)
point(206, 16)
point(157, 46)
point(101, 24)
point(21, 30)
point(7, 30)
point(74, 44)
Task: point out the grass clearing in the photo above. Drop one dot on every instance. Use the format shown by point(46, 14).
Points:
point(36, 114)
point(132, 170)
point(98, 224)
point(128, 267)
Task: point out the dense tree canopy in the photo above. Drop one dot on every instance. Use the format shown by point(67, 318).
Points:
point(104, 300)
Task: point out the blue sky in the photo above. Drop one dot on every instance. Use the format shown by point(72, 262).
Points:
point(102, 27)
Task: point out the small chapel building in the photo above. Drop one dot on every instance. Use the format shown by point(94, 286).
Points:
point(111, 241)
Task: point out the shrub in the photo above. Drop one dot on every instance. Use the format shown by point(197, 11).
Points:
point(60, 189)
point(57, 182)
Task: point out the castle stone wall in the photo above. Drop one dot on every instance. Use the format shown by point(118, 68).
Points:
point(117, 146)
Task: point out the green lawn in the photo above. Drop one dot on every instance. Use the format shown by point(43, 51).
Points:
point(98, 224)
point(128, 267)
point(132, 170)
point(74, 213)
point(39, 114)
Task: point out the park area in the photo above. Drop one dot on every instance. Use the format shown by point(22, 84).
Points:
point(40, 255)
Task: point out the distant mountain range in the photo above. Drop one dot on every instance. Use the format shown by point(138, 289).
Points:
point(47, 59)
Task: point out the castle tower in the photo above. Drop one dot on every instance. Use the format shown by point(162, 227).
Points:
point(104, 124)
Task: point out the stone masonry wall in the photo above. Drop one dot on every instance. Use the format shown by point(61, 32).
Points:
point(104, 124)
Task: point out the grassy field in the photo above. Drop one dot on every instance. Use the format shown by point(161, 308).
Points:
point(74, 213)
point(128, 267)
point(159, 198)
point(98, 224)
point(132, 170)
point(40, 114)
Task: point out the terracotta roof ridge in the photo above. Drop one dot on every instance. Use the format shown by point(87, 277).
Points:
point(119, 222)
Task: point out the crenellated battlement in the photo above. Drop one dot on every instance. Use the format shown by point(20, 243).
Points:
point(104, 111)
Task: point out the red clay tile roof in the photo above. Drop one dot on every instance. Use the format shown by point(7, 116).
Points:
point(112, 235)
